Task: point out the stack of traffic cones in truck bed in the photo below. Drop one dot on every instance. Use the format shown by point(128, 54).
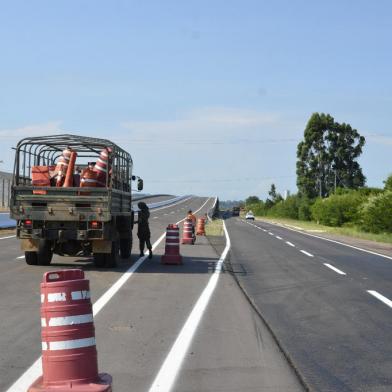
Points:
point(65, 174)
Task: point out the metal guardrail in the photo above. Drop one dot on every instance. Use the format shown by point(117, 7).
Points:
point(7, 223)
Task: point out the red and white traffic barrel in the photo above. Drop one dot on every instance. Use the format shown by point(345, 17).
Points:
point(172, 246)
point(62, 166)
point(69, 354)
point(188, 236)
point(102, 166)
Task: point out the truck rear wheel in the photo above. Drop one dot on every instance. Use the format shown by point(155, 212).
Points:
point(31, 258)
point(125, 247)
point(99, 260)
point(45, 252)
point(111, 258)
point(108, 260)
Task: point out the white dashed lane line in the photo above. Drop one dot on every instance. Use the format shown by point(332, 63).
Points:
point(279, 238)
point(306, 253)
point(338, 271)
point(21, 257)
point(270, 233)
point(380, 297)
point(290, 244)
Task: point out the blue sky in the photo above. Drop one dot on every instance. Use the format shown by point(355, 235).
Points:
point(210, 97)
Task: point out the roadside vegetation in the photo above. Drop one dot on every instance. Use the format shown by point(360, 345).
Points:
point(332, 195)
point(214, 228)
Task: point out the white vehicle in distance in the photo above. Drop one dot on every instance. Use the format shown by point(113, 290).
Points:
point(249, 216)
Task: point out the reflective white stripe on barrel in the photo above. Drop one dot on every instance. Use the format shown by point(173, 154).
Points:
point(172, 244)
point(82, 294)
point(56, 297)
point(172, 237)
point(68, 320)
point(68, 344)
point(42, 298)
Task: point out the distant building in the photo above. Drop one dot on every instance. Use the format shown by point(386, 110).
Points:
point(5, 188)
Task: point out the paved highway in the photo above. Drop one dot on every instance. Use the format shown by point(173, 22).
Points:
point(328, 305)
point(141, 338)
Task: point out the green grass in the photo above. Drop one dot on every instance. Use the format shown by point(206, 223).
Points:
point(214, 228)
point(347, 231)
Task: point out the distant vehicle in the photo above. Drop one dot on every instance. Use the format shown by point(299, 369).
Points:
point(235, 211)
point(249, 216)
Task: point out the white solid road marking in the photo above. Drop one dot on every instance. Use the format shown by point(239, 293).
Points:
point(380, 297)
point(10, 236)
point(289, 243)
point(171, 366)
point(335, 269)
point(334, 241)
point(306, 253)
point(279, 238)
point(35, 370)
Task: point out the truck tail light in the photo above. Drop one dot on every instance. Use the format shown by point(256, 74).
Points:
point(28, 223)
point(95, 224)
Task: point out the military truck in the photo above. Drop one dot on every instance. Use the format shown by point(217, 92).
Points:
point(72, 196)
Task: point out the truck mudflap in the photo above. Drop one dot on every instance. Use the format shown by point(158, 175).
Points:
point(29, 245)
point(102, 246)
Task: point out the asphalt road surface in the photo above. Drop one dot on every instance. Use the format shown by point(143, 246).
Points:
point(140, 325)
point(328, 305)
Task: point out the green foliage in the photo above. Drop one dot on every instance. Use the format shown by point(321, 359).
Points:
point(338, 209)
point(376, 213)
point(285, 208)
point(258, 209)
point(388, 183)
point(327, 157)
point(252, 200)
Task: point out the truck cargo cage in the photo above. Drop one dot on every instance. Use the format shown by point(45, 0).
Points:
point(46, 150)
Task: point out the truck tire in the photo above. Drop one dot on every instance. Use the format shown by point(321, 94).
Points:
point(45, 252)
point(111, 258)
point(125, 247)
point(99, 260)
point(108, 260)
point(31, 258)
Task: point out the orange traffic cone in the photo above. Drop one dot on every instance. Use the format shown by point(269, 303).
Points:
point(201, 226)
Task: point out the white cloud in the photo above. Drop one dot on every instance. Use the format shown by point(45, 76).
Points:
point(51, 127)
point(218, 124)
point(379, 139)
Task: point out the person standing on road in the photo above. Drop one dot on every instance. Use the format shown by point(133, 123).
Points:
point(143, 229)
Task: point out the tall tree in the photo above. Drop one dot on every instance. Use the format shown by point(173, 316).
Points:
point(327, 157)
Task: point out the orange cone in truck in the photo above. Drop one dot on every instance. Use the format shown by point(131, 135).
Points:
point(69, 354)
point(62, 166)
point(68, 182)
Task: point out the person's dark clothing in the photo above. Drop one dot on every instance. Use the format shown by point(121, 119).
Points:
point(143, 229)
